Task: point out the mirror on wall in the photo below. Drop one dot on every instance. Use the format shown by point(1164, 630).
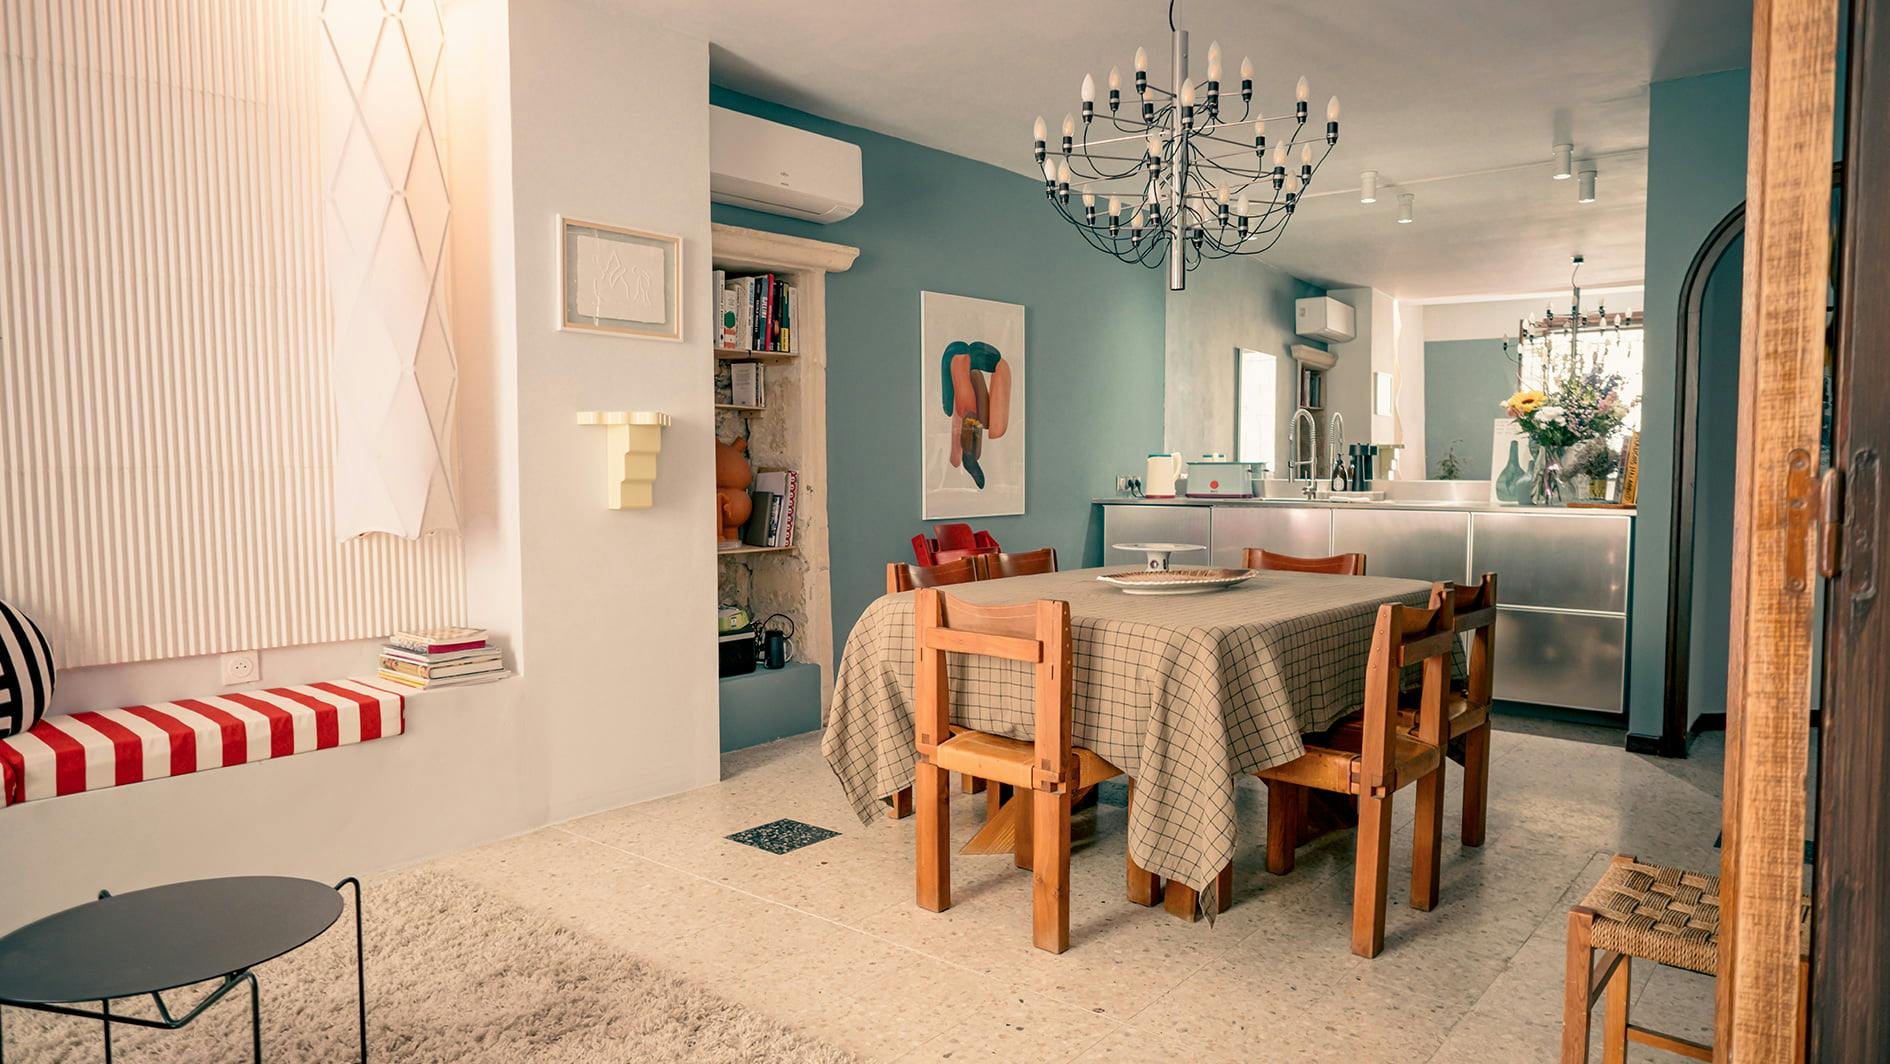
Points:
point(1256, 412)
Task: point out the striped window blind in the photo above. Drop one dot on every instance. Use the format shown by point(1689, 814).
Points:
point(166, 420)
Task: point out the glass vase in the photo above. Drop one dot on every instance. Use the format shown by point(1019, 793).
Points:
point(1512, 484)
point(1545, 476)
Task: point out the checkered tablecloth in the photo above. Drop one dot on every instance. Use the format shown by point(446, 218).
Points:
point(1184, 693)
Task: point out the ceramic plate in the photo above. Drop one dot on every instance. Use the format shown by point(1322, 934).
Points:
point(1175, 581)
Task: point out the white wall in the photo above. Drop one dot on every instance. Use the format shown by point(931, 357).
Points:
point(574, 106)
point(610, 124)
point(1408, 374)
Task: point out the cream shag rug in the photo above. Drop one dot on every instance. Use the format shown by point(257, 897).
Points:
point(455, 976)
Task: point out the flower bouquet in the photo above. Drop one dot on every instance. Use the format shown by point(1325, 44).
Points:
point(1580, 403)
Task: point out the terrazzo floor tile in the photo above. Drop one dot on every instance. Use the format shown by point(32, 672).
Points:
point(826, 936)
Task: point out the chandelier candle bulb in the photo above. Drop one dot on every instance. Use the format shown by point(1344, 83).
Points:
point(1089, 98)
point(1246, 80)
point(1069, 133)
point(1301, 93)
point(1038, 134)
point(1332, 120)
point(1063, 181)
point(1115, 89)
point(1260, 137)
point(1141, 73)
point(1089, 208)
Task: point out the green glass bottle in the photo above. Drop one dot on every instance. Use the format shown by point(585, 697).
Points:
point(1512, 482)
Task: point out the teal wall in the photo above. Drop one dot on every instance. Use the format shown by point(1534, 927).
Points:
point(1094, 349)
point(1464, 380)
point(1696, 174)
point(1716, 444)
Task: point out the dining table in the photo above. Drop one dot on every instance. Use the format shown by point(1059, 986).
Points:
point(1184, 693)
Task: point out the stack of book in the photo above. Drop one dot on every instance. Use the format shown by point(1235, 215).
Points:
point(757, 314)
point(771, 523)
point(440, 657)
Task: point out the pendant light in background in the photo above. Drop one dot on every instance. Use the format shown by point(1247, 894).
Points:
point(1368, 187)
point(1585, 187)
point(1405, 200)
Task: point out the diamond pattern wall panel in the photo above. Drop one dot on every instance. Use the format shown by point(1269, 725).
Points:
point(385, 191)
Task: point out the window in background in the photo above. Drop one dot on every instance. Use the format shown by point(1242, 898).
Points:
point(1256, 383)
point(1613, 350)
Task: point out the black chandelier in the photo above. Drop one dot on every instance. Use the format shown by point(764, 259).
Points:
point(1179, 181)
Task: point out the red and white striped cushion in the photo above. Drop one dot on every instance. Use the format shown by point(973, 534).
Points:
point(90, 751)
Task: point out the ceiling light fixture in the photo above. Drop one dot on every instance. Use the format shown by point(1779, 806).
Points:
point(1405, 200)
point(1564, 161)
point(1368, 187)
point(1585, 188)
point(1202, 183)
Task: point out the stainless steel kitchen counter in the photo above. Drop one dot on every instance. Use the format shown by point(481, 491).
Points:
point(1563, 573)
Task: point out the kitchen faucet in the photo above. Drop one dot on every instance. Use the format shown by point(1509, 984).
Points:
point(1294, 439)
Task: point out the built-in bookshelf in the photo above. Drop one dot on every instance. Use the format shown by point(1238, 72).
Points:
point(788, 431)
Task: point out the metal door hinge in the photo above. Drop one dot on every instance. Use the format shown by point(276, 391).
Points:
point(1830, 523)
point(1800, 489)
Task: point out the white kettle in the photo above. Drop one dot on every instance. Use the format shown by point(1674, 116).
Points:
point(1163, 471)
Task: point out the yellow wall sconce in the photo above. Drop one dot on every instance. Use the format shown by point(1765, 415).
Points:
point(632, 440)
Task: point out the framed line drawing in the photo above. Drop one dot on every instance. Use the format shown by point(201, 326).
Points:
point(624, 282)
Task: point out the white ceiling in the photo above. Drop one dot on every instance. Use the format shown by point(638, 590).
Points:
point(1431, 91)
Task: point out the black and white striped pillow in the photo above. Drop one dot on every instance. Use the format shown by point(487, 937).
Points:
point(26, 672)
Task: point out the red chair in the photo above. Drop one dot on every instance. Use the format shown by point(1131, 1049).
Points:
point(955, 540)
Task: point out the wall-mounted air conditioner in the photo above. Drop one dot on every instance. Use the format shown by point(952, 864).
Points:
point(766, 166)
point(1324, 318)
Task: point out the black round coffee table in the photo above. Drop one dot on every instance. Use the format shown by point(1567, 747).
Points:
point(161, 939)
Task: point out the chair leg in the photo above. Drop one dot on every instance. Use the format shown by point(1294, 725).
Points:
point(1577, 989)
point(1050, 873)
point(1614, 1016)
point(972, 784)
point(1369, 880)
point(1145, 887)
point(1025, 814)
point(1224, 889)
point(1285, 809)
point(933, 795)
point(994, 796)
point(1427, 840)
point(901, 807)
point(1476, 783)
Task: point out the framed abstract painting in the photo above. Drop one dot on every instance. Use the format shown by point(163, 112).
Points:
point(971, 419)
point(620, 281)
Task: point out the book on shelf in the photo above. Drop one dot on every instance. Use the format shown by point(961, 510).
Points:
point(765, 313)
point(783, 485)
point(755, 532)
point(747, 384)
point(440, 670)
point(449, 681)
point(444, 639)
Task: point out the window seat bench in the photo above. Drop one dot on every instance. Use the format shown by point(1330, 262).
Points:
point(71, 753)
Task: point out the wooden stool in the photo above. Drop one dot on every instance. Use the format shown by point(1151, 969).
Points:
point(1655, 913)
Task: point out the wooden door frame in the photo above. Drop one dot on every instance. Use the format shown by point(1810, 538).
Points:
point(1851, 916)
point(1781, 413)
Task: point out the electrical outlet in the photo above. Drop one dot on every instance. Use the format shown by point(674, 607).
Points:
point(244, 666)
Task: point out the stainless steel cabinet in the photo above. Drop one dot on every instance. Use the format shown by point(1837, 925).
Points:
point(1555, 561)
point(1169, 523)
point(1298, 530)
point(1562, 635)
point(1413, 544)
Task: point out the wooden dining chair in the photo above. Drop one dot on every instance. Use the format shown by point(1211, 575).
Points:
point(1370, 756)
point(1048, 769)
point(1467, 706)
point(1022, 563)
point(904, 576)
point(1337, 564)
